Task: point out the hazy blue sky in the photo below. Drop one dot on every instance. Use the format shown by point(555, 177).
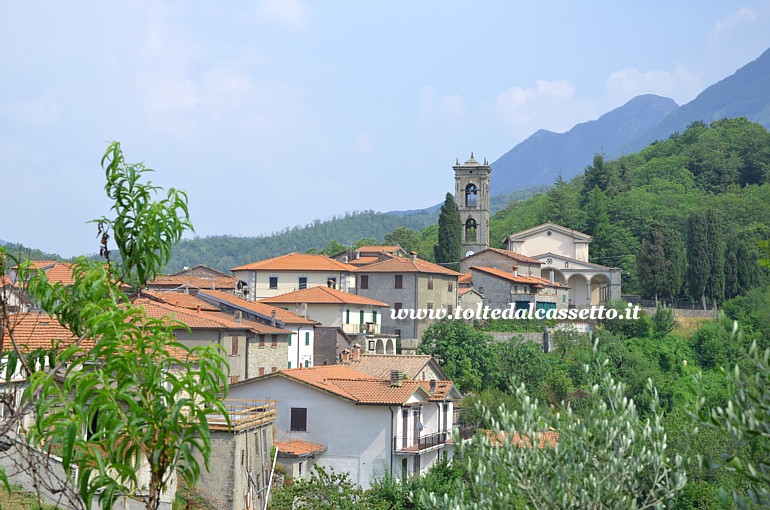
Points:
point(273, 113)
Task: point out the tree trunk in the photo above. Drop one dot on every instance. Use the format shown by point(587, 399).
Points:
point(703, 301)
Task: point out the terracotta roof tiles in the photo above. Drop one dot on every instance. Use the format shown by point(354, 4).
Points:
point(297, 448)
point(297, 262)
point(257, 307)
point(406, 265)
point(195, 282)
point(322, 295)
point(528, 280)
point(380, 365)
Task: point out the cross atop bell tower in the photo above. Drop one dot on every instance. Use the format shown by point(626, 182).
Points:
point(472, 198)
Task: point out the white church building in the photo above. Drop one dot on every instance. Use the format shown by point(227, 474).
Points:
point(563, 253)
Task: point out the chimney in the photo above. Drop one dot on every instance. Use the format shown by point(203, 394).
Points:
point(515, 270)
point(356, 352)
point(345, 259)
point(345, 356)
point(432, 386)
point(272, 318)
point(396, 378)
point(238, 316)
point(413, 256)
point(358, 255)
point(198, 308)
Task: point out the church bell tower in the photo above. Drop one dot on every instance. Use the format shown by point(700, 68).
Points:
point(472, 198)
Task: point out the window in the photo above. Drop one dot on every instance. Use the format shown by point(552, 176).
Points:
point(371, 346)
point(374, 316)
point(307, 363)
point(347, 316)
point(274, 341)
point(331, 282)
point(289, 364)
point(450, 309)
point(307, 338)
point(234, 346)
point(360, 316)
point(471, 195)
point(364, 281)
point(261, 371)
point(397, 307)
point(450, 286)
point(274, 369)
point(300, 468)
point(273, 282)
point(262, 341)
point(290, 337)
point(302, 282)
point(430, 282)
point(233, 379)
point(399, 281)
point(299, 419)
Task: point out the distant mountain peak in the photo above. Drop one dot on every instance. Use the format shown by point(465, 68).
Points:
point(540, 158)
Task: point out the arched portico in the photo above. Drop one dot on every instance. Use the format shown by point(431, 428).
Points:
point(390, 347)
point(579, 291)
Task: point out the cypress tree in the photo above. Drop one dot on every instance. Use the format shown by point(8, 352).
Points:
point(715, 285)
point(447, 250)
point(675, 255)
point(698, 256)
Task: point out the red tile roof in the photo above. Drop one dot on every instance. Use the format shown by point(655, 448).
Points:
point(406, 265)
point(380, 365)
point(539, 440)
point(282, 315)
point(512, 255)
point(379, 249)
point(203, 320)
point(180, 299)
point(296, 448)
point(361, 388)
point(195, 282)
point(296, 262)
point(41, 264)
point(322, 295)
point(528, 280)
point(463, 291)
point(363, 261)
point(37, 331)
point(465, 279)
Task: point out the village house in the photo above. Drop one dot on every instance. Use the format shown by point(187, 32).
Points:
point(291, 272)
point(252, 348)
point(302, 345)
point(368, 426)
point(417, 367)
point(410, 283)
point(356, 315)
point(564, 254)
point(501, 289)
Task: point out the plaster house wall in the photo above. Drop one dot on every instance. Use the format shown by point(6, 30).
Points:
point(288, 281)
point(358, 437)
point(558, 242)
point(266, 355)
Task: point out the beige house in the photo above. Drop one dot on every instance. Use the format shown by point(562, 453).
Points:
point(564, 254)
point(292, 272)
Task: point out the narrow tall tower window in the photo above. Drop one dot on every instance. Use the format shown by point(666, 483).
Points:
point(471, 195)
point(470, 230)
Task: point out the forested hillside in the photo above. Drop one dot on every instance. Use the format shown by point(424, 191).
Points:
point(225, 252)
point(721, 171)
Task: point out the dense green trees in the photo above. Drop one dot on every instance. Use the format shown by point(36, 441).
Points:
point(447, 250)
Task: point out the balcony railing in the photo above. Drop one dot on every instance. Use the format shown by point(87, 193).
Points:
point(421, 443)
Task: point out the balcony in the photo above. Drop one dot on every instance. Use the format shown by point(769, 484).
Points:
point(368, 328)
point(424, 442)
